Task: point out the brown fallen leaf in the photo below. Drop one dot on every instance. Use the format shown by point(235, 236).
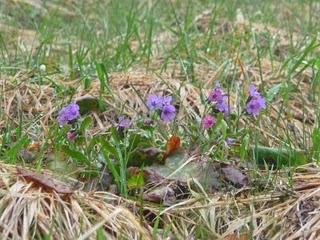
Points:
point(45, 181)
point(234, 175)
point(173, 144)
point(34, 147)
point(151, 152)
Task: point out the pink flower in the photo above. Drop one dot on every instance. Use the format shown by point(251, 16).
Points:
point(208, 121)
point(71, 136)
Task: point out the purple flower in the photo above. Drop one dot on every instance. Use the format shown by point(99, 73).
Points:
point(255, 105)
point(154, 102)
point(168, 113)
point(123, 122)
point(166, 100)
point(164, 104)
point(222, 106)
point(253, 92)
point(208, 121)
point(255, 101)
point(230, 141)
point(216, 95)
point(218, 98)
point(68, 113)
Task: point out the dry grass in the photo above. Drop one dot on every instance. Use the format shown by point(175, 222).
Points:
point(29, 211)
point(284, 213)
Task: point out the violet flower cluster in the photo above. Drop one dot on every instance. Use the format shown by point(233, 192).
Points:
point(255, 102)
point(219, 99)
point(167, 111)
point(68, 114)
point(162, 104)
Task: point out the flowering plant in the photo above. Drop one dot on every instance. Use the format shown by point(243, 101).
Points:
point(163, 105)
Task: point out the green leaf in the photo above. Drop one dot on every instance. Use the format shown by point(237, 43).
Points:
point(72, 73)
point(316, 143)
point(317, 62)
point(58, 164)
point(136, 181)
point(135, 140)
point(106, 145)
point(273, 91)
point(221, 126)
point(100, 234)
point(111, 165)
point(115, 135)
point(179, 168)
point(244, 146)
point(75, 154)
point(12, 153)
point(278, 157)
point(86, 82)
point(86, 123)
point(102, 75)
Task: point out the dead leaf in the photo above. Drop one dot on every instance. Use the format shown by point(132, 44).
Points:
point(172, 146)
point(234, 175)
point(151, 152)
point(34, 147)
point(152, 177)
point(210, 177)
point(162, 194)
point(45, 181)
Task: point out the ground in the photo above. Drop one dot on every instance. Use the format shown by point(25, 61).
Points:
point(122, 170)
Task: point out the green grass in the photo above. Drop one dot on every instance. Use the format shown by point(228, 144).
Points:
point(88, 41)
